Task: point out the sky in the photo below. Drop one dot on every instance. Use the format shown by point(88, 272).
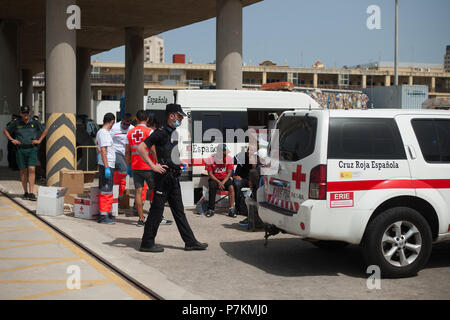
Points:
point(300, 32)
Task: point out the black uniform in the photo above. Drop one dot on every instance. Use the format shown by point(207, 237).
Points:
point(167, 188)
point(242, 170)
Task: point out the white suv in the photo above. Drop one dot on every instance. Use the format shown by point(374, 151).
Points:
point(376, 178)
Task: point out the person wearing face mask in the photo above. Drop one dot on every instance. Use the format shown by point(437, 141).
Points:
point(119, 135)
point(166, 173)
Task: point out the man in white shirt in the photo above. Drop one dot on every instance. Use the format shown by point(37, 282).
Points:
point(106, 164)
point(119, 135)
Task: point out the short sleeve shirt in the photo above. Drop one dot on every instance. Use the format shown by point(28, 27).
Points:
point(25, 132)
point(119, 137)
point(219, 168)
point(104, 139)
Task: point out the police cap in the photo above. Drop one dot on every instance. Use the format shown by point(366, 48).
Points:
point(173, 107)
point(24, 109)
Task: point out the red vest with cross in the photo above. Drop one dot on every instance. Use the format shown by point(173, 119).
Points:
point(135, 137)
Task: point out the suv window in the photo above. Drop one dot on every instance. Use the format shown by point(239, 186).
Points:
point(297, 137)
point(365, 138)
point(434, 138)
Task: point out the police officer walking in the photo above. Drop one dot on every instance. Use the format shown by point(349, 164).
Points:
point(166, 183)
point(26, 134)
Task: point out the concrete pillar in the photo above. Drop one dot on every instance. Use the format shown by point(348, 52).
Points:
point(44, 108)
point(364, 81)
point(60, 82)
point(433, 84)
point(27, 88)
point(410, 80)
point(229, 44)
point(134, 69)
point(315, 80)
point(264, 77)
point(9, 68)
point(211, 77)
point(84, 82)
point(387, 81)
point(339, 80)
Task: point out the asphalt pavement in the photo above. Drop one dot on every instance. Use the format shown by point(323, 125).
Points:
point(236, 264)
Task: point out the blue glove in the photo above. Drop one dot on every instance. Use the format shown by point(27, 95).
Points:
point(129, 172)
point(107, 172)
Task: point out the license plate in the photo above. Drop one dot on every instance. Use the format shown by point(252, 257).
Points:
point(280, 193)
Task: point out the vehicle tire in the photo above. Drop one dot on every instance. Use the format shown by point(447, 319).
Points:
point(399, 241)
point(329, 245)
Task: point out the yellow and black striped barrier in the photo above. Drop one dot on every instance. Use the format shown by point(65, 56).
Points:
point(61, 142)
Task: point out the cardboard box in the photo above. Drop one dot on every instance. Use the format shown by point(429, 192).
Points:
point(88, 177)
point(73, 180)
point(50, 201)
point(115, 205)
point(85, 209)
point(125, 201)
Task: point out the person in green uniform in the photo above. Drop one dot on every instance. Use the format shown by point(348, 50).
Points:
point(24, 134)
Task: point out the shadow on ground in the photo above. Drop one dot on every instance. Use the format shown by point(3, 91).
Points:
point(297, 258)
point(134, 243)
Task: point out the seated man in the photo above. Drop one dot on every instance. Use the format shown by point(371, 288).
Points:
point(240, 180)
point(220, 167)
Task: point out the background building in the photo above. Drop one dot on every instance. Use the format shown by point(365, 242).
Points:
point(447, 60)
point(154, 50)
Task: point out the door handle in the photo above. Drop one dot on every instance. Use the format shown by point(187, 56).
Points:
point(412, 152)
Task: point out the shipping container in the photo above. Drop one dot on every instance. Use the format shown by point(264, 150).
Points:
point(397, 97)
point(179, 58)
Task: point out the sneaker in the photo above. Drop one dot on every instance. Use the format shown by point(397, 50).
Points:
point(25, 195)
point(232, 213)
point(165, 221)
point(31, 197)
point(154, 248)
point(140, 223)
point(209, 213)
point(105, 220)
point(196, 246)
point(244, 222)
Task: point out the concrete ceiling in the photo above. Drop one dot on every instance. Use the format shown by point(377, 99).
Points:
point(103, 22)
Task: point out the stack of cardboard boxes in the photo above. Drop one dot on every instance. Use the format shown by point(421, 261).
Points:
point(73, 192)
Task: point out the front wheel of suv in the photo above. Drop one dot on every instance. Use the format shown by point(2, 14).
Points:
point(399, 241)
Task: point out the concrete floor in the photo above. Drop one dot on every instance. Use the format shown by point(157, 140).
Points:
point(37, 263)
point(237, 266)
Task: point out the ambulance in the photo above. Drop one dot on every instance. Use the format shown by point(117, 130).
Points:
point(216, 116)
point(375, 178)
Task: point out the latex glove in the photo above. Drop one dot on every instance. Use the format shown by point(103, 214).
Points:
point(107, 172)
point(129, 172)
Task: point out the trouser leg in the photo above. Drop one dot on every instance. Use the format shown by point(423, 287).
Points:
point(105, 185)
point(120, 180)
point(153, 220)
point(177, 208)
point(239, 196)
point(212, 185)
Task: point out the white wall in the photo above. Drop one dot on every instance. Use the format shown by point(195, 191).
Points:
point(104, 106)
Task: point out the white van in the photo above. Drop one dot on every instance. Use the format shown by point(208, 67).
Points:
point(227, 111)
point(375, 178)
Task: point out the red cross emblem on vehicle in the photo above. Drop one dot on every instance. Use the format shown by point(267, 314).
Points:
point(298, 177)
point(137, 136)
